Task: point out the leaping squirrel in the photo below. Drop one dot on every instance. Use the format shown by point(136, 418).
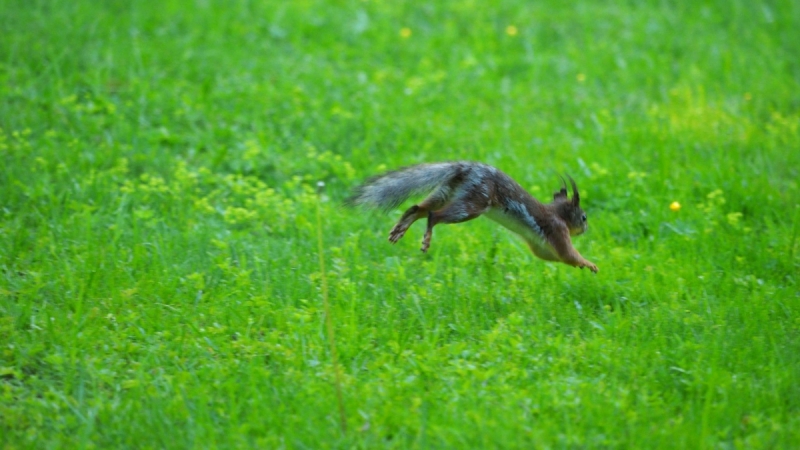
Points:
point(461, 191)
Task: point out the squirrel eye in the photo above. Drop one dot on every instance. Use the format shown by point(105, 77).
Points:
point(583, 217)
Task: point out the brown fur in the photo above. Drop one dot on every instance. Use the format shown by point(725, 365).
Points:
point(462, 191)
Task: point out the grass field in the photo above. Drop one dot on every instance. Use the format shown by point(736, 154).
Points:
point(160, 285)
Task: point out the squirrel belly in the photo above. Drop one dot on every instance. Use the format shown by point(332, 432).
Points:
point(533, 236)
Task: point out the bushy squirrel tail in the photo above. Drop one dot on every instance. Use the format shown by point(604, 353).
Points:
point(390, 189)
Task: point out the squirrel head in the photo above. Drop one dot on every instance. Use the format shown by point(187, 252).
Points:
point(569, 210)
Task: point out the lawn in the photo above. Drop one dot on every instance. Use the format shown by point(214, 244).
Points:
point(160, 279)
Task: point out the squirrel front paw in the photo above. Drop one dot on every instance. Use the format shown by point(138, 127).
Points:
point(590, 265)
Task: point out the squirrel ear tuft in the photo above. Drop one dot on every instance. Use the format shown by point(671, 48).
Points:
point(576, 198)
point(561, 194)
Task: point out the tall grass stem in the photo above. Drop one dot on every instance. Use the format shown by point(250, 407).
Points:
point(328, 317)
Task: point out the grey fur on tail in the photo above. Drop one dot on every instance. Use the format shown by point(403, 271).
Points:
point(388, 190)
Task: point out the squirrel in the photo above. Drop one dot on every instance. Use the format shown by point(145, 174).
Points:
point(463, 190)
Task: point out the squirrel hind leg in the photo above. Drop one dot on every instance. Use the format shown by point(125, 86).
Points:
point(409, 217)
point(437, 199)
point(456, 212)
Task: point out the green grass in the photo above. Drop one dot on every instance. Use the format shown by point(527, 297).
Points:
point(159, 279)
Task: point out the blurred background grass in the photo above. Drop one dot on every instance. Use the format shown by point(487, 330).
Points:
point(159, 284)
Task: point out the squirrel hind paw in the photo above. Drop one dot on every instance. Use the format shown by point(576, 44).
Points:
point(426, 243)
point(396, 234)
